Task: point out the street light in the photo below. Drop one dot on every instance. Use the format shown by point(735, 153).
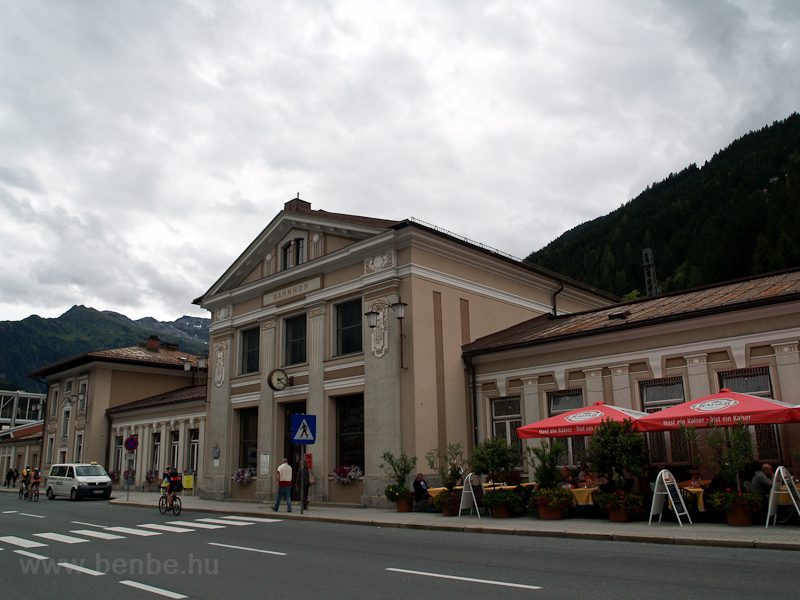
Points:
point(399, 309)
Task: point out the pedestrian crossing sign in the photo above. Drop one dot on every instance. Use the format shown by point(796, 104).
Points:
point(304, 429)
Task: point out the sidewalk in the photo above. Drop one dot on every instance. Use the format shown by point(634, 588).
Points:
point(777, 537)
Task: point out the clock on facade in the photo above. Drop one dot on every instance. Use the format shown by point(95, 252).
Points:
point(278, 380)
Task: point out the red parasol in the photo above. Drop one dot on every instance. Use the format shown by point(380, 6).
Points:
point(581, 421)
point(725, 408)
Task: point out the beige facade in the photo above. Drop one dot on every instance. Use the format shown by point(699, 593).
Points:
point(83, 387)
point(295, 300)
point(650, 354)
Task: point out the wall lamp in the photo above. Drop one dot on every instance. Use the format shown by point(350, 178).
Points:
point(399, 309)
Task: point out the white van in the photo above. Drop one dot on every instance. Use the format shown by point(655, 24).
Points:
point(78, 480)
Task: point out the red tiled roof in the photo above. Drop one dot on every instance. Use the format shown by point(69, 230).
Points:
point(187, 394)
point(735, 295)
point(163, 357)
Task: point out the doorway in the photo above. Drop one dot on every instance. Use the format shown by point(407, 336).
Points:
point(293, 452)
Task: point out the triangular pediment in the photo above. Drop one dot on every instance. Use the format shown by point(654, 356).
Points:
point(296, 221)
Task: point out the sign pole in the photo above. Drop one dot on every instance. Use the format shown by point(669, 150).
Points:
point(302, 478)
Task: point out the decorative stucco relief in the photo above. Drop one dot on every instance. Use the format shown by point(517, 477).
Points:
point(223, 313)
point(220, 350)
point(384, 260)
point(380, 333)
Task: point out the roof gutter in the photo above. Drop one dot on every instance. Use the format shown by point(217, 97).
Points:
point(474, 397)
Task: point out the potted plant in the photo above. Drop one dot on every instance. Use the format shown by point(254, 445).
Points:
point(448, 501)
point(400, 495)
point(129, 475)
point(504, 503)
point(544, 460)
point(738, 506)
point(347, 474)
point(730, 450)
point(621, 505)
point(551, 502)
point(615, 449)
point(114, 475)
point(244, 475)
point(495, 457)
point(152, 475)
point(399, 468)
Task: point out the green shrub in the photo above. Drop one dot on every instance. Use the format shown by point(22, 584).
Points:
point(398, 468)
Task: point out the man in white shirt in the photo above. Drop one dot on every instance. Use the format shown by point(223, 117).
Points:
point(284, 485)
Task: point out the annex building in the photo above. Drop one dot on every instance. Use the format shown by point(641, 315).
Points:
point(290, 334)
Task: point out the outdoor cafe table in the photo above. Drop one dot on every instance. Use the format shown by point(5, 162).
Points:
point(487, 487)
point(583, 496)
point(696, 492)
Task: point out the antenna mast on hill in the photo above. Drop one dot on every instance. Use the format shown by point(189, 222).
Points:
point(650, 282)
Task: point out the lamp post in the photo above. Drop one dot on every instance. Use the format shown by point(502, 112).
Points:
point(399, 309)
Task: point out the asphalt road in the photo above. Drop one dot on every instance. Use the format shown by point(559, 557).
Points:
point(303, 559)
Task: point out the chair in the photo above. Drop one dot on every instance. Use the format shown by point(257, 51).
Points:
point(474, 489)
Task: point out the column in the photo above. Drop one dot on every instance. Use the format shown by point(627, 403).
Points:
point(162, 456)
point(531, 410)
point(787, 363)
point(216, 481)
point(181, 445)
point(480, 408)
point(268, 438)
point(201, 434)
point(316, 389)
point(139, 475)
point(594, 386)
point(697, 369)
point(621, 386)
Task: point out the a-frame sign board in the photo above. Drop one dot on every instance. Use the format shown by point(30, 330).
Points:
point(782, 477)
point(468, 499)
point(667, 486)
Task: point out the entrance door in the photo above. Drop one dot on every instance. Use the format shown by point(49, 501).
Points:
point(292, 451)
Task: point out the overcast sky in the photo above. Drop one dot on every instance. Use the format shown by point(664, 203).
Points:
point(144, 144)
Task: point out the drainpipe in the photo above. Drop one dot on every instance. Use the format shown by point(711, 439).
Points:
point(474, 395)
point(557, 292)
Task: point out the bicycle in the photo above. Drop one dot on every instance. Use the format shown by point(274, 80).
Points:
point(23, 492)
point(163, 504)
point(34, 495)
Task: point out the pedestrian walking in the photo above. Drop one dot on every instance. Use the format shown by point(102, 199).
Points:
point(9, 475)
point(284, 485)
point(15, 477)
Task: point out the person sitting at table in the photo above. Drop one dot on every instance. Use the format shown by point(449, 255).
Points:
point(584, 475)
point(566, 478)
point(762, 481)
point(421, 495)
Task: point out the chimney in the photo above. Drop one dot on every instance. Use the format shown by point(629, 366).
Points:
point(153, 343)
point(297, 206)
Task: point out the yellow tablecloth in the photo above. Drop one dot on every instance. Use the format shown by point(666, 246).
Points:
point(583, 496)
point(698, 497)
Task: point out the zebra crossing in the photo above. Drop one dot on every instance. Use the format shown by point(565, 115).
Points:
point(104, 532)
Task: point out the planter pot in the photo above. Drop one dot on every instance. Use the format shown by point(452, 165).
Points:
point(739, 517)
point(449, 512)
point(619, 515)
point(346, 493)
point(403, 505)
point(550, 514)
point(502, 511)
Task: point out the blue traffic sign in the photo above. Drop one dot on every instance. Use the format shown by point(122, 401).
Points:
point(304, 429)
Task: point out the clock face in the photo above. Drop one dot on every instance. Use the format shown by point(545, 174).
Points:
point(278, 380)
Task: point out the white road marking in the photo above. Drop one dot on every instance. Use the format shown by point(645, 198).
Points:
point(9, 512)
point(16, 541)
point(221, 522)
point(165, 528)
point(88, 524)
point(248, 549)
point(150, 588)
point(80, 569)
point(31, 555)
point(470, 579)
point(196, 525)
point(58, 537)
point(34, 516)
point(131, 531)
point(98, 534)
point(254, 519)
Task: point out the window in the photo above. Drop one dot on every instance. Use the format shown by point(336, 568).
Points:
point(65, 423)
point(82, 395)
point(756, 382)
point(62, 455)
point(78, 447)
point(665, 447)
point(250, 341)
point(53, 401)
point(51, 444)
point(248, 438)
point(561, 402)
point(296, 340)
point(68, 386)
point(348, 328)
point(506, 417)
point(350, 430)
point(156, 450)
point(117, 453)
point(293, 253)
point(175, 439)
point(194, 449)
